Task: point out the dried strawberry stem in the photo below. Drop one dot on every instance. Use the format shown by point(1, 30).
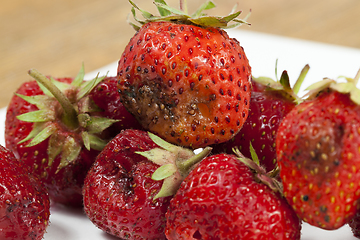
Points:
point(186, 165)
point(70, 114)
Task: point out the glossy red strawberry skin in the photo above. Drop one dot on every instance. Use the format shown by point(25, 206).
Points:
point(220, 199)
point(267, 109)
point(189, 85)
point(24, 203)
point(105, 95)
point(118, 191)
point(65, 187)
point(318, 154)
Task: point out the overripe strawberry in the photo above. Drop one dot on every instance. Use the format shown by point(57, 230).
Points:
point(121, 196)
point(318, 154)
point(184, 78)
point(24, 203)
point(355, 225)
point(223, 199)
point(56, 138)
point(270, 102)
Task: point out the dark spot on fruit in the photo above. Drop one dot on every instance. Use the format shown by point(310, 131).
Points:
point(238, 70)
point(186, 38)
point(148, 50)
point(143, 57)
point(177, 78)
point(182, 28)
point(228, 106)
point(152, 68)
point(169, 55)
point(131, 48)
point(222, 61)
point(327, 218)
point(127, 68)
point(232, 131)
point(186, 73)
point(246, 102)
point(240, 56)
point(172, 133)
point(170, 83)
point(231, 78)
point(200, 77)
point(212, 130)
point(173, 65)
point(193, 127)
point(139, 41)
point(238, 97)
point(178, 47)
point(305, 198)
point(190, 51)
point(192, 85)
point(156, 61)
point(138, 69)
point(128, 76)
point(212, 97)
point(209, 49)
point(229, 92)
point(216, 119)
point(237, 123)
point(222, 76)
point(146, 70)
point(221, 91)
point(186, 138)
point(191, 29)
point(222, 132)
point(224, 45)
point(181, 90)
point(227, 119)
point(163, 46)
point(163, 70)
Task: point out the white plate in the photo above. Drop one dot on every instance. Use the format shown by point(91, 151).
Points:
point(262, 51)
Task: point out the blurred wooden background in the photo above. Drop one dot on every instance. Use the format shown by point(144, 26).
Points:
point(57, 36)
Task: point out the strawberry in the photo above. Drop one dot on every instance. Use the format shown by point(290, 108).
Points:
point(222, 198)
point(184, 78)
point(121, 193)
point(318, 154)
point(54, 134)
point(270, 101)
point(355, 225)
point(24, 203)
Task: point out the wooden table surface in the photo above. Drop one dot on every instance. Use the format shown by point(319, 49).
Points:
point(57, 36)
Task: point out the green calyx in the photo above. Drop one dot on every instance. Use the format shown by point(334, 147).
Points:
point(348, 87)
point(174, 162)
point(64, 117)
point(283, 84)
point(198, 18)
point(267, 178)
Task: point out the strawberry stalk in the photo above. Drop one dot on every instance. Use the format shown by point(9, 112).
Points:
point(185, 166)
point(69, 117)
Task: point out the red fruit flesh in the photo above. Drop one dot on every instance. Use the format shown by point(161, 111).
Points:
point(221, 199)
point(24, 203)
point(119, 191)
point(105, 95)
point(318, 154)
point(187, 84)
point(267, 109)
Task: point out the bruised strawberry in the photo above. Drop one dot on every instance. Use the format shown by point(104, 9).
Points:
point(24, 203)
point(270, 102)
point(120, 193)
point(318, 154)
point(185, 79)
point(54, 134)
point(222, 198)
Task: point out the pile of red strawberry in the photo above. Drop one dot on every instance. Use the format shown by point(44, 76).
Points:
point(183, 143)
